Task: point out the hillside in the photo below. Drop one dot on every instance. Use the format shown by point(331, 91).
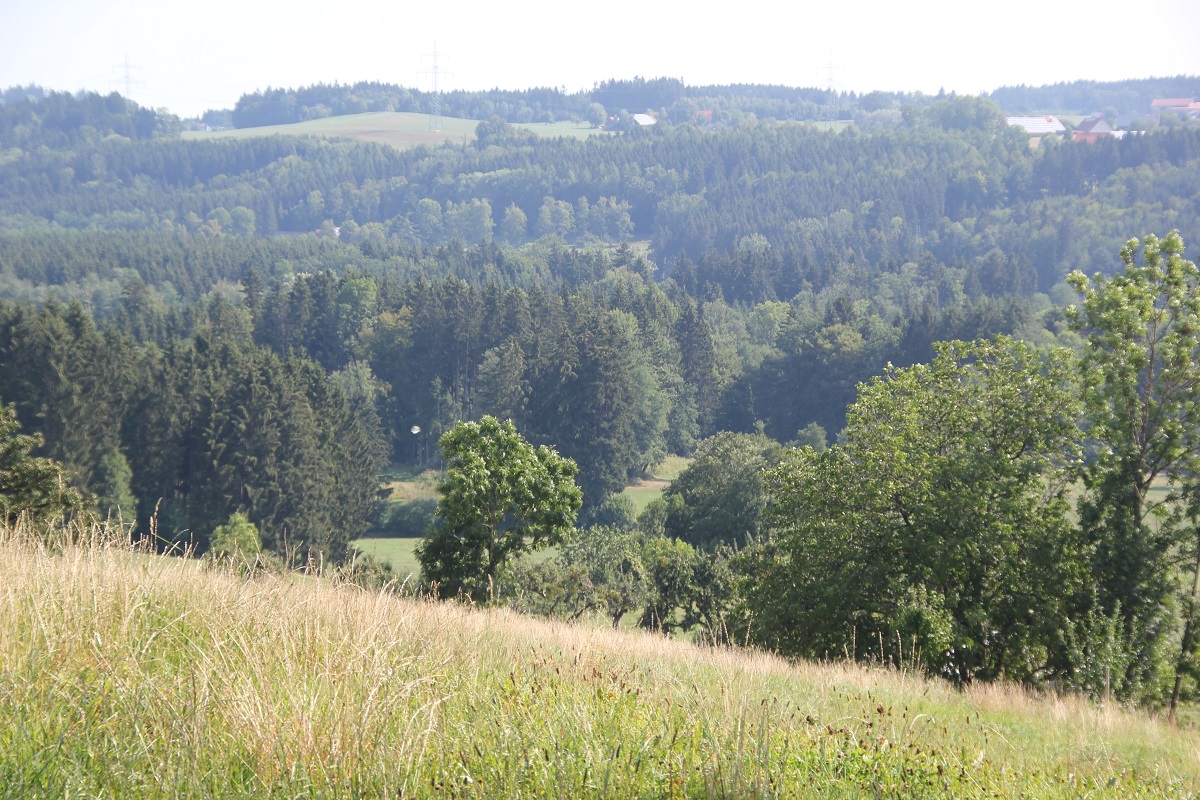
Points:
point(398, 129)
point(147, 676)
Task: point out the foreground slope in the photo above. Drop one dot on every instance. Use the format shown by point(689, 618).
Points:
point(131, 675)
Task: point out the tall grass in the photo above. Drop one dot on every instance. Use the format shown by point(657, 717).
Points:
point(125, 674)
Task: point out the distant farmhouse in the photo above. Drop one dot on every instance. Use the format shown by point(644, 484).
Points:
point(1093, 129)
point(1180, 104)
point(644, 119)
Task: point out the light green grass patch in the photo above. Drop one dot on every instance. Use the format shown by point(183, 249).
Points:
point(404, 487)
point(670, 468)
point(643, 493)
point(399, 552)
point(836, 125)
point(570, 130)
point(398, 129)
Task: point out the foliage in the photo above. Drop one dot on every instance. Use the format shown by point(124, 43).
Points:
point(615, 568)
point(33, 489)
point(501, 496)
point(408, 519)
point(940, 526)
point(1140, 370)
point(364, 570)
point(237, 541)
point(722, 494)
point(115, 498)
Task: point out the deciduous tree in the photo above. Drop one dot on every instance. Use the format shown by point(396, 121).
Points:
point(940, 524)
point(1140, 373)
point(501, 496)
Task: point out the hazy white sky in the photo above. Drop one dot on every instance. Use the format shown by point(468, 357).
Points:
point(193, 56)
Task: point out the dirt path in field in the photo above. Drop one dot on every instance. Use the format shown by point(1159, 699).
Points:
point(649, 486)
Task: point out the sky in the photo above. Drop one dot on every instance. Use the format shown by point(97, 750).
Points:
point(189, 57)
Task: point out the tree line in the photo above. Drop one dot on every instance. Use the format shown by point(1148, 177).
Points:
point(176, 435)
point(789, 203)
point(674, 101)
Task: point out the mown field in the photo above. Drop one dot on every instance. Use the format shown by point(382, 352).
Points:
point(399, 129)
point(140, 676)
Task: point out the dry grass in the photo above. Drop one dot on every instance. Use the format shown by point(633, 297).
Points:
point(131, 675)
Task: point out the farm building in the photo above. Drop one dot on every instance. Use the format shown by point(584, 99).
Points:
point(1038, 126)
point(1172, 103)
point(1091, 130)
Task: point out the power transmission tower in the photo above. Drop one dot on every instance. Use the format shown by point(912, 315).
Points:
point(128, 82)
point(830, 85)
point(435, 111)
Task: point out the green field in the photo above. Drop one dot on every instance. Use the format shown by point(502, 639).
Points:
point(397, 551)
point(643, 492)
point(398, 129)
point(149, 676)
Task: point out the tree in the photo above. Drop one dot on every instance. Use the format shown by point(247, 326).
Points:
point(939, 526)
point(721, 495)
point(513, 225)
point(114, 497)
point(611, 559)
point(1140, 372)
point(596, 115)
point(501, 496)
point(237, 541)
point(32, 488)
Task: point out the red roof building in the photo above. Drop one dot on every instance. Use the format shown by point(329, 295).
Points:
point(1172, 103)
point(1091, 130)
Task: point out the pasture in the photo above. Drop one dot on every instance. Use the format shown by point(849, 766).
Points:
point(398, 129)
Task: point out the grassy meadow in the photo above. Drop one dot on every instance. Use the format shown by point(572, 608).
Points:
point(130, 675)
point(398, 129)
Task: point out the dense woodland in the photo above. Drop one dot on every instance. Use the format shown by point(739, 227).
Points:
point(200, 329)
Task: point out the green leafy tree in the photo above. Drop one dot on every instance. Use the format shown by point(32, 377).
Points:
point(940, 525)
point(1140, 370)
point(596, 115)
point(612, 560)
point(722, 492)
point(33, 488)
point(237, 540)
point(513, 225)
point(670, 566)
point(114, 496)
point(501, 496)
